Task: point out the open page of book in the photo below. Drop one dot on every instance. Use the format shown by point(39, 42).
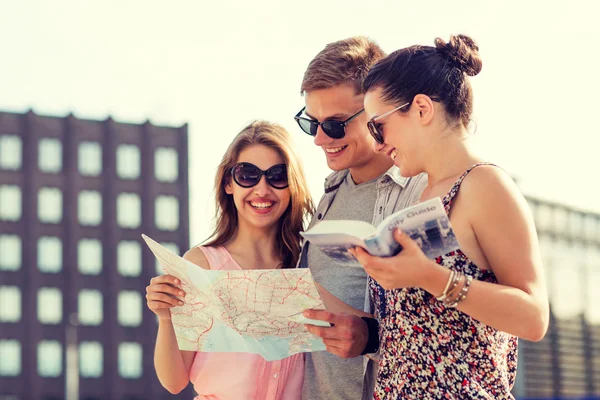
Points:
point(359, 229)
point(337, 246)
point(335, 237)
point(427, 223)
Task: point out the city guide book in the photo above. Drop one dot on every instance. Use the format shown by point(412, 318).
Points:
point(426, 223)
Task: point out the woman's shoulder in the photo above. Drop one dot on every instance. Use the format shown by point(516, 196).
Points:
point(490, 189)
point(198, 256)
point(488, 179)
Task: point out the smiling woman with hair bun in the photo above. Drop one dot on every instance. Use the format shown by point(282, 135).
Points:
point(448, 327)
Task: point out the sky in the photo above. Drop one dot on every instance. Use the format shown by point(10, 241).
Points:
point(219, 65)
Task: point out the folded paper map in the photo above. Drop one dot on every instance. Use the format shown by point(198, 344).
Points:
point(251, 311)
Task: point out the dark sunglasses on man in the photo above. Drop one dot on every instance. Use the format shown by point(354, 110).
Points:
point(333, 129)
point(248, 175)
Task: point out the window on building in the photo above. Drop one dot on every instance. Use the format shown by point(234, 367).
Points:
point(10, 362)
point(129, 211)
point(544, 218)
point(166, 164)
point(89, 208)
point(171, 246)
point(49, 305)
point(129, 258)
point(130, 360)
point(50, 254)
point(10, 304)
point(50, 205)
point(10, 203)
point(592, 279)
point(50, 155)
point(589, 227)
point(546, 249)
point(90, 359)
point(129, 309)
point(10, 253)
point(89, 307)
point(128, 161)
point(89, 256)
point(49, 357)
point(166, 213)
point(567, 281)
point(576, 224)
point(11, 153)
point(90, 159)
point(561, 220)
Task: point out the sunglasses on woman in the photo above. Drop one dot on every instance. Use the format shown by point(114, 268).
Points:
point(374, 126)
point(248, 175)
point(333, 129)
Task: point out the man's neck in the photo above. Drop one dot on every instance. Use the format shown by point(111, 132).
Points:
point(375, 167)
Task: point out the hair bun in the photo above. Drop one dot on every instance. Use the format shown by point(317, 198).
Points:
point(462, 52)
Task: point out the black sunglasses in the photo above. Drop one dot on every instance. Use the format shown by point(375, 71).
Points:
point(248, 175)
point(333, 129)
point(374, 126)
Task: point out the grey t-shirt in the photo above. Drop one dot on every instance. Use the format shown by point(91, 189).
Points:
point(326, 375)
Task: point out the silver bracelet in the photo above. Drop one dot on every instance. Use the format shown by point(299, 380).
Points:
point(445, 292)
point(453, 288)
point(463, 292)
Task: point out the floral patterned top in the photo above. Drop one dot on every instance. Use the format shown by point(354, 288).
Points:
point(428, 351)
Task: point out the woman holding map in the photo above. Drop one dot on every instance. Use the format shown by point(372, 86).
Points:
point(449, 326)
point(262, 200)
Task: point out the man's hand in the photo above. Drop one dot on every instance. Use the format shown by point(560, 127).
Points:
point(346, 338)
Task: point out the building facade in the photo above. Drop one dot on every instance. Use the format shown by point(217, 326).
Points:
point(566, 363)
point(75, 197)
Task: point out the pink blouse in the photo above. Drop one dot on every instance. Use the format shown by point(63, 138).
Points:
point(243, 376)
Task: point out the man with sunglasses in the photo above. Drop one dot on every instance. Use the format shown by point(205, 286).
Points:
point(364, 186)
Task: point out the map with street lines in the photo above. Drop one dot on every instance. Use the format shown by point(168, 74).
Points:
point(251, 311)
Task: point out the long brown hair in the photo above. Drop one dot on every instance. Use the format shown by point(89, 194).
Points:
point(300, 208)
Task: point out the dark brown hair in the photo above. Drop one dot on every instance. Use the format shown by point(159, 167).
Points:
point(439, 72)
point(300, 208)
point(344, 61)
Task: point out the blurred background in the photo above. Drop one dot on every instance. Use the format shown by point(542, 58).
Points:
point(114, 117)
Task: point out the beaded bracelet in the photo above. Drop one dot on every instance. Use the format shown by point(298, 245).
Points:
point(463, 293)
point(445, 291)
point(451, 285)
point(454, 294)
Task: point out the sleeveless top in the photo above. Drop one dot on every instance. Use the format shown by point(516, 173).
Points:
point(235, 376)
point(428, 351)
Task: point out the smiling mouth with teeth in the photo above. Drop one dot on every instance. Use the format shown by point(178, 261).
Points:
point(334, 150)
point(393, 154)
point(262, 206)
